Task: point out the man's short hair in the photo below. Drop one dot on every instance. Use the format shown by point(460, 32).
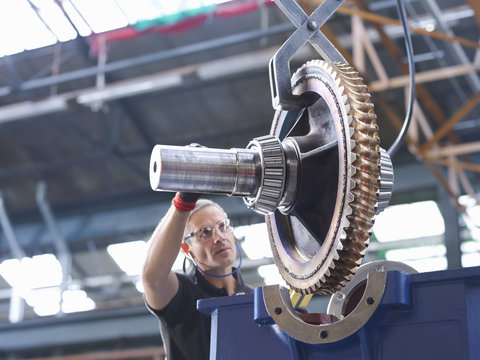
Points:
point(202, 203)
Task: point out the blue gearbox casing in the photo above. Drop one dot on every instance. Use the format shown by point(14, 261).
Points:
point(427, 316)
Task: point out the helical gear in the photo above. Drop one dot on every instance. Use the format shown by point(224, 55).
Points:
point(273, 174)
point(340, 254)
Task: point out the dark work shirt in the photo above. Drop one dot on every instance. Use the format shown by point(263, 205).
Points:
point(186, 331)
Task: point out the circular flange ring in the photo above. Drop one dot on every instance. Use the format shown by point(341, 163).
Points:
point(343, 302)
point(280, 308)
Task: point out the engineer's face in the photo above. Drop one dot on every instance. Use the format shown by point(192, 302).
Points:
point(216, 253)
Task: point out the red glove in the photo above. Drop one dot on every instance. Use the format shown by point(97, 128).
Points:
point(184, 201)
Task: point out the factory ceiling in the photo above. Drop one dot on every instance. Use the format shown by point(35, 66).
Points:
point(78, 119)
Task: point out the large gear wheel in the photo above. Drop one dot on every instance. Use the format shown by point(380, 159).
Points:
point(319, 242)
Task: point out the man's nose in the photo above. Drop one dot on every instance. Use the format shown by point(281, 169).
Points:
point(217, 235)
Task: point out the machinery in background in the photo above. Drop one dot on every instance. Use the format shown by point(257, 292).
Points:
point(319, 178)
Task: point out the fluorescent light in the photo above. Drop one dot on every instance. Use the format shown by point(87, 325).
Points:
point(76, 301)
point(129, 88)
point(255, 244)
point(408, 221)
point(45, 302)
point(129, 256)
point(28, 109)
point(31, 273)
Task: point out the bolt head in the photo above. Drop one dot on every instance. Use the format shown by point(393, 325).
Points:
point(312, 25)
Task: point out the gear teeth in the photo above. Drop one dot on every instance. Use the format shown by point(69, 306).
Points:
point(362, 195)
point(362, 198)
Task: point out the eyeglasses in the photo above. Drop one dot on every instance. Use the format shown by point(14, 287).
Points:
point(205, 234)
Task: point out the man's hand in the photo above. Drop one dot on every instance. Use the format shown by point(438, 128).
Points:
point(185, 201)
point(189, 197)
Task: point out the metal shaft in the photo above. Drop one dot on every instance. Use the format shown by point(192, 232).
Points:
point(235, 172)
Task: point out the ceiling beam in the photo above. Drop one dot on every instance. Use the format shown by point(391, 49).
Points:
point(383, 20)
point(423, 77)
point(153, 57)
point(450, 123)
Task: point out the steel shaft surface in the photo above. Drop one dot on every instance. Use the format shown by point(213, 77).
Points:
point(235, 172)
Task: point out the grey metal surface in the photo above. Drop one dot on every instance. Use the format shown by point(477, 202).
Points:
point(235, 172)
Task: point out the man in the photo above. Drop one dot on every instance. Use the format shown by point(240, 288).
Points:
point(203, 230)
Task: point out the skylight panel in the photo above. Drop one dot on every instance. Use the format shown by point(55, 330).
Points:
point(140, 10)
point(80, 24)
point(102, 15)
point(22, 28)
point(56, 20)
point(409, 221)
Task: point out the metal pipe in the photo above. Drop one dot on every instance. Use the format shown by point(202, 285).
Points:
point(149, 58)
point(7, 227)
point(235, 172)
point(61, 247)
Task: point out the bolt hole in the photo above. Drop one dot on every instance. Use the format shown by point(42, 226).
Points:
point(155, 167)
point(324, 334)
point(278, 311)
point(370, 300)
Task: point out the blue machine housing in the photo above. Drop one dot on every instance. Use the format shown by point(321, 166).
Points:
point(428, 316)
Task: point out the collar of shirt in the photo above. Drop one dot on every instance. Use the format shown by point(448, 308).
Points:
point(213, 291)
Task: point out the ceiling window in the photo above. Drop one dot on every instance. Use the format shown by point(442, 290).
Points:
point(414, 222)
point(32, 24)
point(409, 221)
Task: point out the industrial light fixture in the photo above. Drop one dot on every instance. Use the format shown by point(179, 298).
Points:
point(129, 256)
point(128, 88)
point(28, 109)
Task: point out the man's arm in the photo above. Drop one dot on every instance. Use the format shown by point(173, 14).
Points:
point(159, 281)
